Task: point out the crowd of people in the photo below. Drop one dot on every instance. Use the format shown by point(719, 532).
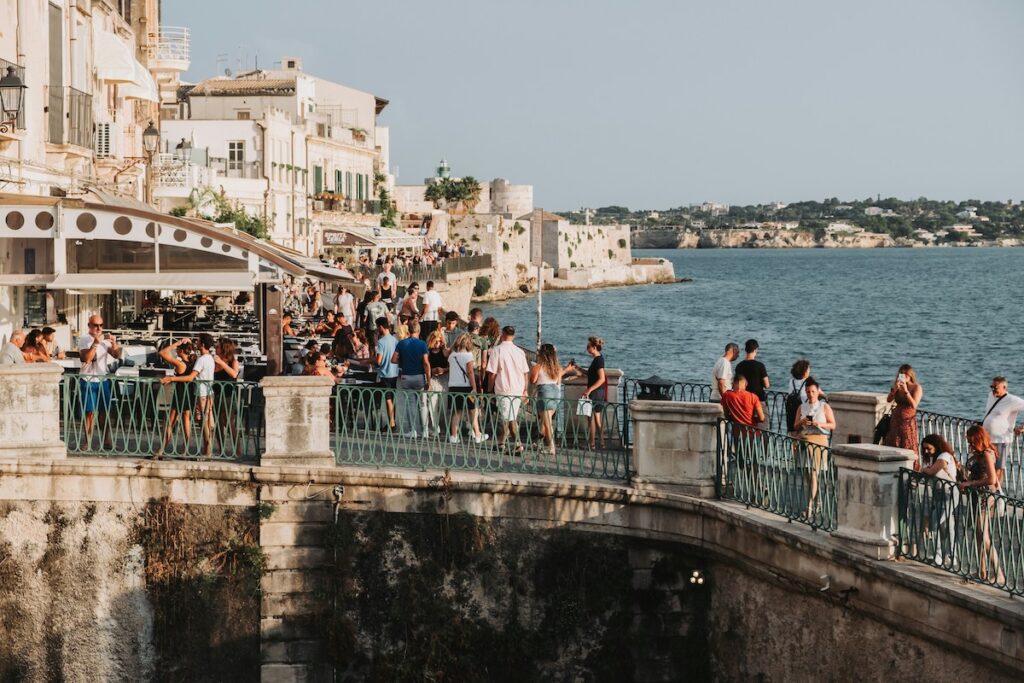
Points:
point(741, 390)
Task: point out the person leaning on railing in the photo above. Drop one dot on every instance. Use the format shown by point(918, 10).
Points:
point(202, 370)
point(980, 477)
point(96, 350)
point(939, 462)
point(546, 376)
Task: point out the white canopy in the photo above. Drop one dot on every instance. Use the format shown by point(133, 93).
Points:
point(116, 64)
point(183, 281)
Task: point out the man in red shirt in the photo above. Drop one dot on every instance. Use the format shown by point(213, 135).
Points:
point(741, 406)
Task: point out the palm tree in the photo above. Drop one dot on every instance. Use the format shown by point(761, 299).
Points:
point(470, 192)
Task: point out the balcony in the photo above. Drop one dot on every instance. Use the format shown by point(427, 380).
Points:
point(229, 168)
point(175, 176)
point(170, 49)
point(336, 204)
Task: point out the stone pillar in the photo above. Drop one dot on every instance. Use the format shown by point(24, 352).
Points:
point(573, 388)
point(675, 445)
point(867, 495)
point(30, 411)
point(298, 419)
point(857, 413)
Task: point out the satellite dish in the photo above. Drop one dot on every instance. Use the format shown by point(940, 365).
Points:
point(227, 72)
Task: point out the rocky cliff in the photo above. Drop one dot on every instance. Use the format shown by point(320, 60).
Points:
point(752, 238)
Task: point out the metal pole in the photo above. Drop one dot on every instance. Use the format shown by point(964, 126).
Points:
point(540, 302)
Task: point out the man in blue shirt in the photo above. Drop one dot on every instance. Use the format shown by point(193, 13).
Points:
point(387, 370)
point(412, 356)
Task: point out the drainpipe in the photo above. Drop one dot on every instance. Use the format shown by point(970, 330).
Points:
point(305, 196)
point(294, 174)
point(266, 193)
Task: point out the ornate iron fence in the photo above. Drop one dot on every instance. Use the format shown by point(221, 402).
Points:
point(786, 476)
point(140, 417)
point(975, 534)
point(410, 428)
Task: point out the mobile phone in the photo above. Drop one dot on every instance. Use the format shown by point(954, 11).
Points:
point(901, 377)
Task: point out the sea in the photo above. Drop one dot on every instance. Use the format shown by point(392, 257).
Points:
point(954, 314)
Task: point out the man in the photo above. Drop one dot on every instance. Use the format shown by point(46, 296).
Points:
point(451, 329)
point(507, 378)
point(95, 351)
point(408, 308)
point(388, 284)
point(476, 315)
point(430, 316)
point(754, 371)
point(11, 353)
point(412, 356)
point(375, 309)
point(345, 304)
point(387, 370)
point(742, 406)
point(1001, 410)
point(721, 375)
point(50, 337)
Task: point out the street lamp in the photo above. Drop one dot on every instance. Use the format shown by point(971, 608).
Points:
point(150, 143)
point(12, 98)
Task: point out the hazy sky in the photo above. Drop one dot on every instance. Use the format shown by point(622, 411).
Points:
point(659, 103)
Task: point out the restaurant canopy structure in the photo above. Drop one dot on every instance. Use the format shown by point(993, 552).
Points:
point(374, 238)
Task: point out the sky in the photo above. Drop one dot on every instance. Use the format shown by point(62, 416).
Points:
point(663, 103)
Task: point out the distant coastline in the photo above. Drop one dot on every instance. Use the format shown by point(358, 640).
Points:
point(775, 238)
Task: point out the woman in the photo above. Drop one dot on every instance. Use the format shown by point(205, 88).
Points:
point(597, 389)
point(34, 348)
point(462, 387)
point(547, 375)
point(181, 356)
point(327, 327)
point(438, 381)
point(815, 424)
point(906, 392)
point(316, 366)
point(939, 462)
point(799, 373)
point(981, 479)
point(488, 336)
point(360, 348)
point(202, 370)
point(226, 391)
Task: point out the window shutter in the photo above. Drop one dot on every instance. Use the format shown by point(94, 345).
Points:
point(318, 179)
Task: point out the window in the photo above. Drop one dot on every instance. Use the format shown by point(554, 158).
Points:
point(359, 186)
point(243, 115)
point(338, 182)
point(236, 155)
point(318, 179)
point(348, 184)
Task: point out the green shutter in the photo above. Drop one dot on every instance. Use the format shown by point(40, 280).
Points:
point(337, 182)
point(318, 179)
point(359, 186)
point(348, 184)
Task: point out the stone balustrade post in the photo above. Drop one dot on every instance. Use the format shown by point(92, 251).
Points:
point(675, 445)
point(867, 496)
point(857, 413)
point(30, 411)
point(298, 421)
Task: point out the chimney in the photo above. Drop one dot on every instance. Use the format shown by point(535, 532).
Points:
point(291, 63)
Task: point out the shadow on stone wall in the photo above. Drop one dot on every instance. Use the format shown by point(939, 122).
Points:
point(454, 597)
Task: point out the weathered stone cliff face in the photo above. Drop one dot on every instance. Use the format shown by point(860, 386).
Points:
point(680, 238)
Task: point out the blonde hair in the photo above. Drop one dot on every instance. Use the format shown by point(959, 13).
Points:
point(436, 337)
point(909, 372)
point(547, 359)
point(463, 343)
point(596, 342)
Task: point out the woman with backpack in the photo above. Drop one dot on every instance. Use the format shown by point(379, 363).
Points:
point(800, 371)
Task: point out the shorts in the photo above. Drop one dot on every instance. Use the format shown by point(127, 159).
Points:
point(388, 383)
point(508, 407)
point(461, 398)
point(96, 396)
point(547, 396)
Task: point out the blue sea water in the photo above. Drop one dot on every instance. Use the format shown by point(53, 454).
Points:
point(856, 314)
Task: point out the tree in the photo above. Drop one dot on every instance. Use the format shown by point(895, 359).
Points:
point(387, 209)
point(454, 194)
point(208, 204)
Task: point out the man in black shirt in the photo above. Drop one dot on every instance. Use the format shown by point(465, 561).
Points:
point(755, 372)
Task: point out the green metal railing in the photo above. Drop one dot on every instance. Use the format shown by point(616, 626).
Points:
point(776, 473)
point(974, 534)
point(139, 417)
point(363, 434)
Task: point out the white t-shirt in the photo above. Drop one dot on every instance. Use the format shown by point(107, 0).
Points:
point(205, 367)
point(948, 471)
point(999, 423)
point(722, 371)
point(100, 364)
point(432, 299)
point(344, 303)
point(458, 364)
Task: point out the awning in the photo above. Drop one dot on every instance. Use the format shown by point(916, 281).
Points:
point(182, 281)
point(381, 238)
point(16, 280)
point(115, 63)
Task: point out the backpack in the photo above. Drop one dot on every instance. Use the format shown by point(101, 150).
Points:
point(793, 403)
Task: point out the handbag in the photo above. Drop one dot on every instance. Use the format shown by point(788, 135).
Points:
point(584, 407)
point(882, 428)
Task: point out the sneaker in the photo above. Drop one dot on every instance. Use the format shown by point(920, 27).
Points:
point(453, 439)
point(410, 435)
point(481, 438)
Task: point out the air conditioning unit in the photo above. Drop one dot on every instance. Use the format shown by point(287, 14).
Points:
point(318, 205)
point(108, 140)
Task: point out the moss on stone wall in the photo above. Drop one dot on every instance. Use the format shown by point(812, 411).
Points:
point(458, 598)
point(203, 566)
